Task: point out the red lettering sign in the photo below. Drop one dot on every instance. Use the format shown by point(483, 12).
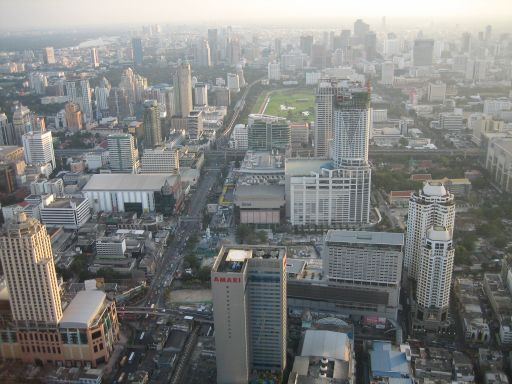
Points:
point(227, 279)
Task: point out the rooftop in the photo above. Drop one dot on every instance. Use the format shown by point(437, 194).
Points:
point(83, 309)
point(128, 182)
point(327, 344)
point(364, 237)
point(232, 259)
point(387, 362)
point(434, 189)
point(66, 202)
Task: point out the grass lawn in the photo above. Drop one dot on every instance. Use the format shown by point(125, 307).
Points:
point(297, 99)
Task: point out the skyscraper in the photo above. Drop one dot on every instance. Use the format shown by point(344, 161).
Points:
point(388, 73)
point(306, 44)
point(200, 94)
point(48, 55)
point(22, 122)
point(203, 53)
point(95, 58)
point(38, 148)
point(152, 129)
point(361, 29)
point(183, 90)
point(41, 332)
point(27, 260)
point(7, 131)
point(213, 42)
point(429, 207)
point(79, 92)
point(423, 52)
point(267, 133)
point(124, 157)
point(434, 278)
point(340, 195)
point(249, 307)
point(138, 54)
point(370, 45)
point(73, 116)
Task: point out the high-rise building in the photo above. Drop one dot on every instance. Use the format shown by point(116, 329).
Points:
point(124, 156)
point(183, 90)
point(195, 125)
point(22, 122)
point(203, 54)
point(40, 331)
point(274, 71)
point(234, 51)
point(423, 52)
point(233, 83)
point(306, 44)
point(436, 92)
point(79, 92)
point(432, 206)
point(370, 45)
point(361, 29)
point(38, 148)
point(152, 128)
point(200, 94)
point(160, 160)
point(27, 260)
point(138, 53)
point(73, 116)
point(213, 42)
point(340, 195)
point(240, 137)
point(249, 308)
point(7, 131)
point(277, 48)
point(434, 277)
point(266, 133)
point(388, 73)
point(352, 121)
point(48, 55)
point(95, 58)
point(119, 103)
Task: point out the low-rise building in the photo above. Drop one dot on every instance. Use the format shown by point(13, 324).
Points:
point(259, 204)
point(501, 303)
point(67, 212)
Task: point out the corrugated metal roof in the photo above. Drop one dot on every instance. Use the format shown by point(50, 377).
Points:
point(83, 309)
point(128, 182)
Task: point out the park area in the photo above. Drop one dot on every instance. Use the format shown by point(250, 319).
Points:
point(296, 104)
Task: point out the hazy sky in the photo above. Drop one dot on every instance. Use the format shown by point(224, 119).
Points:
point(30, 14)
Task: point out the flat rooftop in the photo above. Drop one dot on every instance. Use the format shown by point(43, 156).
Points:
point(83, 309)
point(129, 182)
point(66, 202)
point(364, 237)
point(232, 259)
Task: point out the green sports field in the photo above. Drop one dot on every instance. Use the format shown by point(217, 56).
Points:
point(289, 103)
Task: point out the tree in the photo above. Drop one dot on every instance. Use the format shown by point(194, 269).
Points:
point(242, 233)
point(262, 236)
point(403, 142)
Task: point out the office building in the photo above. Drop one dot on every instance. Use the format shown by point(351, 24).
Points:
point(364, 258)
point(388, 73)
point(195, 125)
point(434, 277)
point(331, 197)
point(73, 116)
point(138, 53)
point(200, 94)
point(423, 53)
point(324, 105)
point(182, 90)
point(44, 186)
point(499, 162)
point(306, 44)
point(124, 156)
point(213, 41)
point(119, 103)
point(370, 46)
point(40, 332)
point(449, 121)
point(38, 148)
point(79, 91)
point(249, 308)
point(160, 160)
point(436, 92)
point(7, 131)
point(48, 55)
point(239, 137)
point(233, 82)
point(95, 58)
point(265, 133)
point(22, 122)
point(274, 71)
point(7, 178)
point(69, 213)
point(203, 53)
point(351, 124)
point(299, 134)
point(431, 206)
point(361, 29)
point(134, 193)
point(152, 128)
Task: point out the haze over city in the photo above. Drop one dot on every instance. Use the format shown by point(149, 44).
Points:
point(255, 192)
